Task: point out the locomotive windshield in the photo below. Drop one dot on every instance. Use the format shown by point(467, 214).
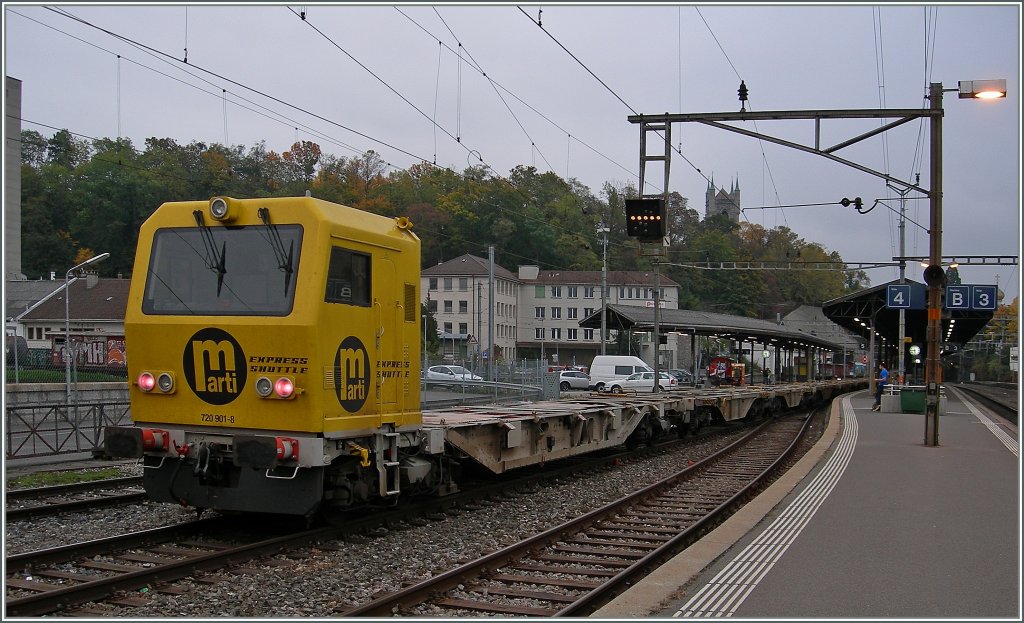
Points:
point(223, 271)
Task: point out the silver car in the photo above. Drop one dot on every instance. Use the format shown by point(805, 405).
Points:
point(450, 373)
point(573, 379)
point(643, 382)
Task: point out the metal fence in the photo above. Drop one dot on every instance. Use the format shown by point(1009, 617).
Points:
point(40, 366)
point(50, 429)
point(53, 429)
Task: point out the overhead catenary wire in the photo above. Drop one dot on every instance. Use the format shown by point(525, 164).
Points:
point(238, 84)
point(163, 56)
point(257, 108)
point(764, 156)
point(496, 91)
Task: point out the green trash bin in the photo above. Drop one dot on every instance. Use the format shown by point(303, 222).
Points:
point(912, 400)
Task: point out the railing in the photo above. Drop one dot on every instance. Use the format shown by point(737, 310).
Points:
point(50, 429)
point(437, 394)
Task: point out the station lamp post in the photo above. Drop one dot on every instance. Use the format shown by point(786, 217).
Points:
point(67, 323)
point(934, 275)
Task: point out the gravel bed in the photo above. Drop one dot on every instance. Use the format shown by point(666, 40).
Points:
point(26, 535)
point(320, 581)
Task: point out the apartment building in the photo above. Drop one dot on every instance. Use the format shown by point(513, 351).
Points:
point(552, 303)
point(536, 312)
point(458, 293)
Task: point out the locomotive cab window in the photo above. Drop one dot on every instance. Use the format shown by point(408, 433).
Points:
point(348, 278)
point(223, 271)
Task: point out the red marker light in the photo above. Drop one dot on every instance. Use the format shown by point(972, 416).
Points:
point(147, 382)
point(284, 387)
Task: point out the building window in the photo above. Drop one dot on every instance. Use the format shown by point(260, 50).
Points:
point(571, 335)
point(573, 292)
point(463, 307)
point(538, 333)
point(572, 315)
point(432, 284)
point(463, 284)
point(448, 328)
point(447, 284)
point(588, 334)
point(556, 313)
point(538, 312)
point(538, 292)
point(432, 306)
point(463, 328)
point(588, 292)
point(587, 312)
point(556, 333)
point(622, 292)
point(556, 292)
point(447, 307)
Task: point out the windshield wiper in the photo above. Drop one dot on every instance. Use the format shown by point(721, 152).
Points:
point(214, 261)
point(284, 260)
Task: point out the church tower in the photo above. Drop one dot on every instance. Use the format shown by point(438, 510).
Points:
point(722, 202)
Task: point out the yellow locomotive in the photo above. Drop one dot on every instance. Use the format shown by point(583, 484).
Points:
point(274, 356)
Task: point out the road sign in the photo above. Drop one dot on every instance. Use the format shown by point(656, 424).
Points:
point(958, 297)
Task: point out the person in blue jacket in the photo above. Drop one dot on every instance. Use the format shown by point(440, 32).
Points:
point(880, 383)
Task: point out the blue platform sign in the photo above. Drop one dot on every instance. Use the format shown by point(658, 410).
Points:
point(983, 298)
point(898, 296)
point(906, 296)
point(958, 297)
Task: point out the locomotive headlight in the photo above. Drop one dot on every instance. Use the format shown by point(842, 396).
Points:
point(165, 382)
point(221, 209)
point(264, 386)
point(147, 381)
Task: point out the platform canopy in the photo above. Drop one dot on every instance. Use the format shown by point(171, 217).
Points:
point(852, 310)
point(738, 328)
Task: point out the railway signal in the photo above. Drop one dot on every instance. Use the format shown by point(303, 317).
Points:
point(645, 219)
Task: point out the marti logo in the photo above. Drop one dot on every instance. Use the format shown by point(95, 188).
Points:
point(214, 366)
point(351, 374)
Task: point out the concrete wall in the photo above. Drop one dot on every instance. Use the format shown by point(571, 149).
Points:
point(29, 394)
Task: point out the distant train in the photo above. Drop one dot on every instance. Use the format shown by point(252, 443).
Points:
point(725, 371)
point(273, 350)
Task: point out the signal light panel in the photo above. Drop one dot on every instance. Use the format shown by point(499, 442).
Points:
point(645, 219)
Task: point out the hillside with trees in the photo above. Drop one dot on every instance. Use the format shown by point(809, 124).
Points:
point(84, 197)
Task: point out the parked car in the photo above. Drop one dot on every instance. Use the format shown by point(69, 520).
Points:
point(684, 377)
point(607, 369)
point(573, 379)
point(450, 373)
point(643, 381)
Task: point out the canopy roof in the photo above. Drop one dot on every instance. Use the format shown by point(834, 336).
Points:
point(739, 328)
point(861, 307)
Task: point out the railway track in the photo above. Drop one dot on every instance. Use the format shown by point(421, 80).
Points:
point(58, 579)
point(1001, 399)
point(41, 501)
point(63, 577)
point(573, 568)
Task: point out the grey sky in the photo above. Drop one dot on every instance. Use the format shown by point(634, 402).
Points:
point(656, 58)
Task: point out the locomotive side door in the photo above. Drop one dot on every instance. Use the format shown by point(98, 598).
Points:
point(388, 318)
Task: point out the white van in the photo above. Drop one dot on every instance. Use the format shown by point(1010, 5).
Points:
point(606, 369)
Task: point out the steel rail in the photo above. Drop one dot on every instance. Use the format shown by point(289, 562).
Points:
point(386, 604)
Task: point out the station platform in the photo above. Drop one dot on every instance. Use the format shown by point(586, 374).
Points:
point(872, 523)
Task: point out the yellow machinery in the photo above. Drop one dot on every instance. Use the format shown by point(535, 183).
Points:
point(274, 348)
